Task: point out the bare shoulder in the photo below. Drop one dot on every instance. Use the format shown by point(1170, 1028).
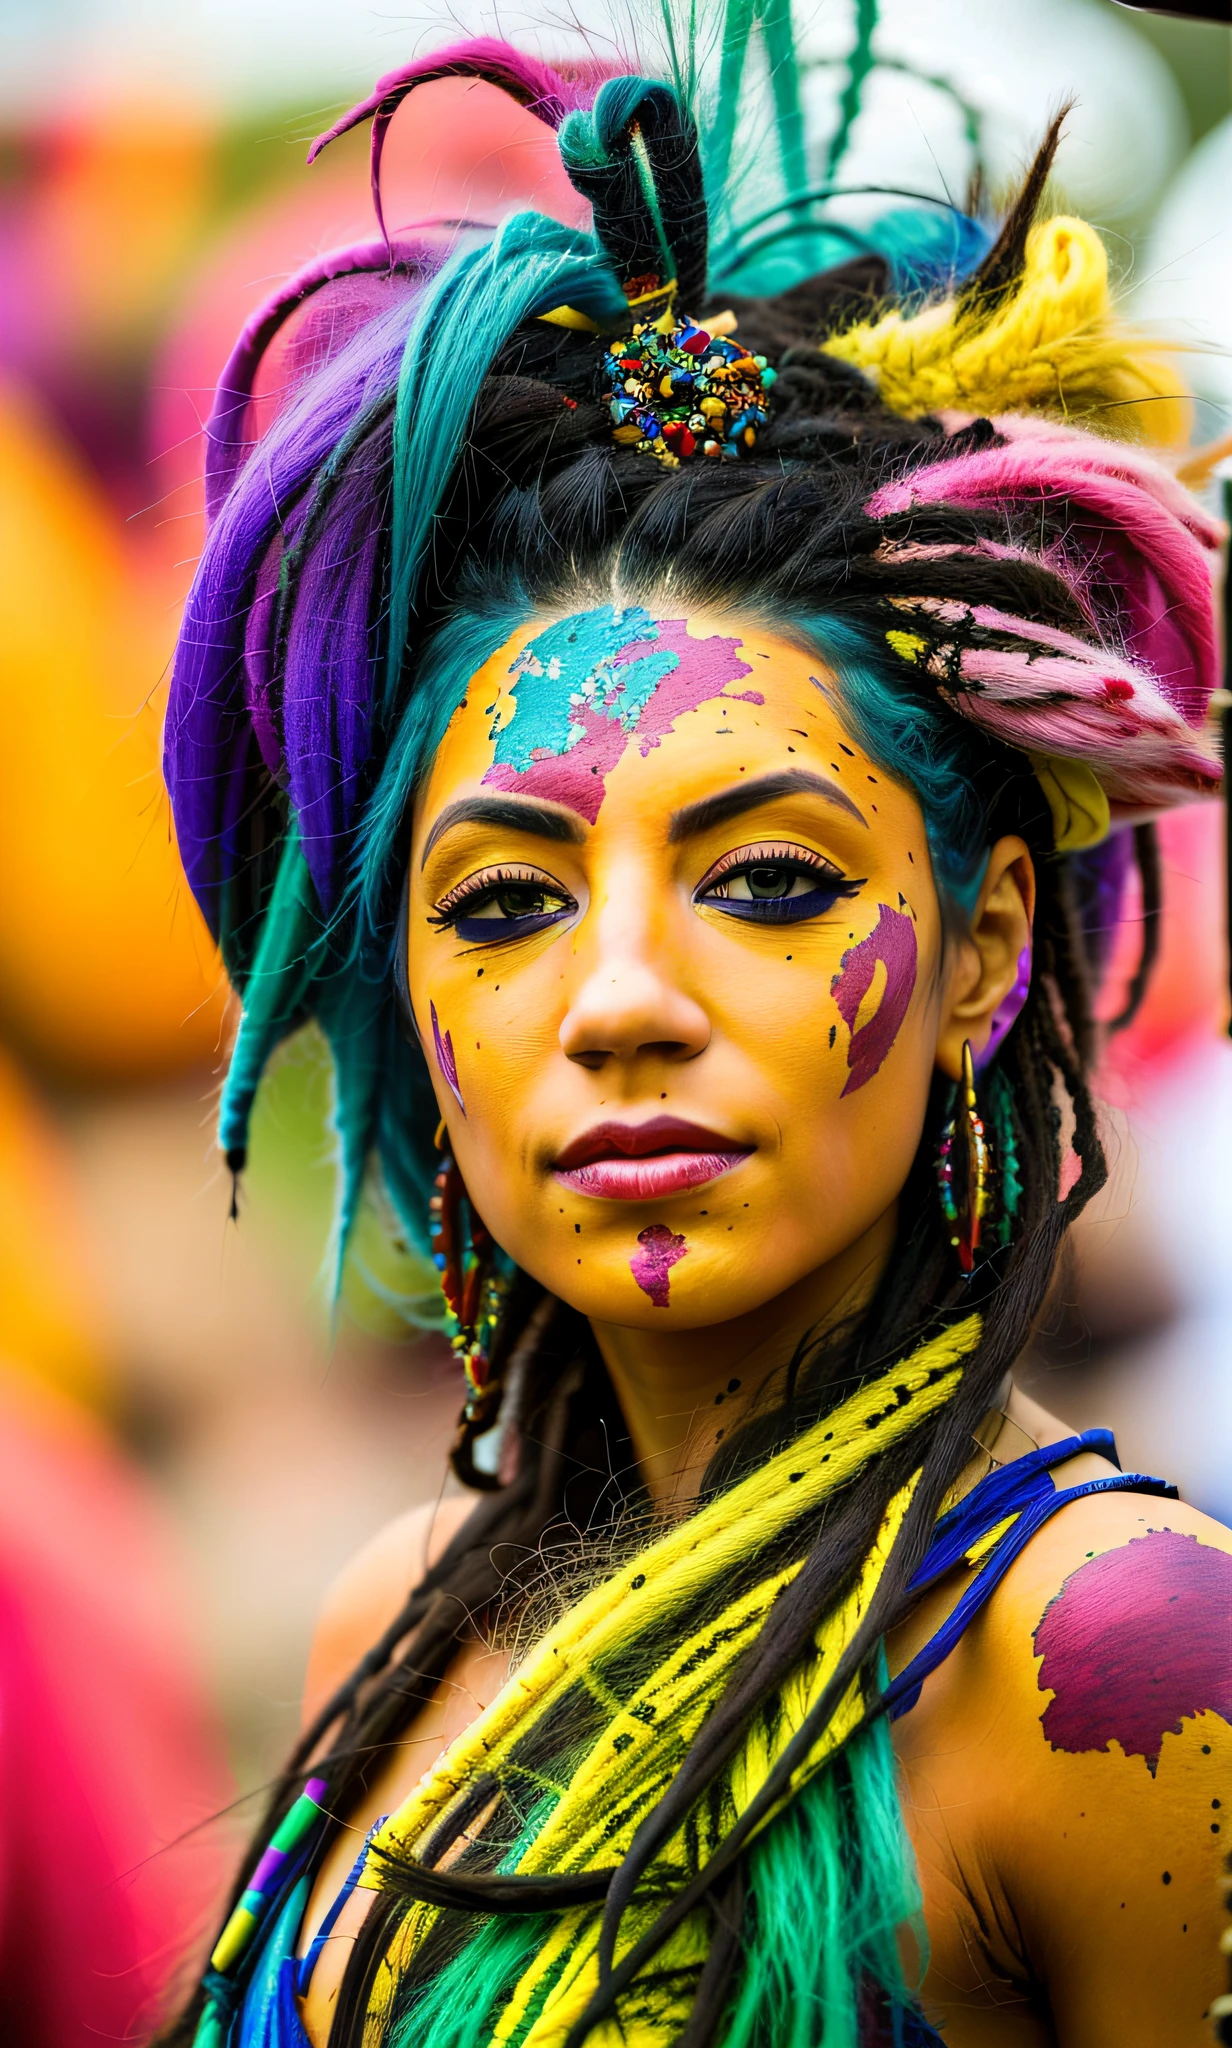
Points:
point(1072, 1767)
point(368, 1592)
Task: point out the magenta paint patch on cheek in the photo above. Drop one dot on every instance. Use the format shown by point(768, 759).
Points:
point(590, 684)
point(659, 1250)
point(1135, 1644)
point(445, 1059)
point(891, 940)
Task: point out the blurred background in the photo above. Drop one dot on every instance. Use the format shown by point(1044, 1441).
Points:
point(152, 191)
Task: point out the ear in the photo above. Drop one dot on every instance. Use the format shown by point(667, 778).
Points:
point(982, 966)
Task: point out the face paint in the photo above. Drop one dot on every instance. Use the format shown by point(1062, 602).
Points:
point(588, 685)
point(1136, 1643)
point(1007, 1011)
point(445, 1059)
point(891, 941)
point(652, 1265)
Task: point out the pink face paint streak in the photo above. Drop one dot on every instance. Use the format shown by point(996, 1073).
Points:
point(445, 1059)
point(577, 777)
point(892, 939)
point(1135, 1644)
point(651, 1266)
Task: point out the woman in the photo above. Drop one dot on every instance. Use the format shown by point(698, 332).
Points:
point(684, 766)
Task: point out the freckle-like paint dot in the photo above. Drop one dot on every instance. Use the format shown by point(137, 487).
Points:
point(1206, 1749)
point(1214, 1827)
point(718, 1436)
point(787, 956)
point(731, 1226)
point(849, 751)
point(479, 974)
point(719, 1400)
point(703, 1212)
point(1167, 1877)
point(733, 1387)
point(871, 778)
point(911, 856)
point(638, 1582)
point(1216, 1802)
point(579, 1262)
point(577, 1227)
point(663, 1098)
point(793, 1476)
point(791, 750)
point(833, 1034)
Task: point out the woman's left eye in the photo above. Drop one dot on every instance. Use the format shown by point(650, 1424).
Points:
point(766, 885)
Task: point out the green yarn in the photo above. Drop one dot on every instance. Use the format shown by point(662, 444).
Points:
point(830, 1881)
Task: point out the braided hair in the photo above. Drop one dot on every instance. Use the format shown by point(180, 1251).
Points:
point(450, 470)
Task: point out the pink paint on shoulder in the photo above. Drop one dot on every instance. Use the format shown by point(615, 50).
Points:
point(892, 939)
point(445, 1059)
point(1136, 1643)
point(651, 1267)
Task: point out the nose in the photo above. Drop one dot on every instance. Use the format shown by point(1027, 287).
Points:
point(627, 1007)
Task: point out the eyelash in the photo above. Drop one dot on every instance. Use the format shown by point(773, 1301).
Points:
point(479, 890)
point(798, 862)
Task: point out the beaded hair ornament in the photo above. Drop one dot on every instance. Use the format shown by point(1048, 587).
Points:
point(676, 389)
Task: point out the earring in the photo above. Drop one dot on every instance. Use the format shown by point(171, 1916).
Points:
point(964, 1169)
point(476, 1276)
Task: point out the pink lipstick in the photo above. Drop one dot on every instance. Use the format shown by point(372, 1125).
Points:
point(643, 1162)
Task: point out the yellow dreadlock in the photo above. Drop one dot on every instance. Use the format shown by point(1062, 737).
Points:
point(1053, 344)
point(587, 1821)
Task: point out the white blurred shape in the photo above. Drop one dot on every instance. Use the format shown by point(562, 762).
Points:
point(1015, 61)
point(1186, 269)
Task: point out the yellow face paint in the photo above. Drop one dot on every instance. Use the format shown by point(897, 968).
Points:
point(681, 944)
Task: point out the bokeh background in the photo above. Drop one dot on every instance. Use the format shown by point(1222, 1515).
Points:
point(152, 190)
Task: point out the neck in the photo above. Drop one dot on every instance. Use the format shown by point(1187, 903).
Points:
point(682, 1392)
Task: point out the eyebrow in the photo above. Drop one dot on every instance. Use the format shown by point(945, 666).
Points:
point(748, 796)
point(517, 814)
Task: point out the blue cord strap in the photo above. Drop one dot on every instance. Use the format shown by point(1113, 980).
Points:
point(1022, 1490)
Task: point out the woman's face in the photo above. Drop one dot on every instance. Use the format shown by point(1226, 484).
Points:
point(675, 961)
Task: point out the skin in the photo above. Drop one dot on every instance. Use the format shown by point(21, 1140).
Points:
point(645, 997)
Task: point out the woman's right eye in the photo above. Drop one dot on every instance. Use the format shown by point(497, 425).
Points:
point(499, 906)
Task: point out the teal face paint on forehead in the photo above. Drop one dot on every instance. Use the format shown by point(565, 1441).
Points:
point(589, 684)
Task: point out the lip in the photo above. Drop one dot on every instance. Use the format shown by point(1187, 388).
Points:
point(643, 1162)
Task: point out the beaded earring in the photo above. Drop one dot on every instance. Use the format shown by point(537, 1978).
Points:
point(980, 1182)
point(476, 1276)
point(964, 1169)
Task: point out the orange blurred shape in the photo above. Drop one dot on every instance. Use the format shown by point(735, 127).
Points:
point(106, 970)
point(52, 1322)
point(122, 197)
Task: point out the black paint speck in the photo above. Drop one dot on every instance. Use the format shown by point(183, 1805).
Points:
point(1167, 1877)
point(1206, 1749)
point(733, 1387)
point(793, 1476)
point(638, 1582)
point(479, 974)
point(578, 1228)
point(849, 751)
point(719, 1400)
point(787, 956)
point(833, 1033)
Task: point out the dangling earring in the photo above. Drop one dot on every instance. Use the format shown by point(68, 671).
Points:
point(476, 1276)
point(964, 1169)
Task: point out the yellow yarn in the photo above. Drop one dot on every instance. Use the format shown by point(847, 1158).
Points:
point(590, 1820)
point(1052, 345)
point(1081, 814)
